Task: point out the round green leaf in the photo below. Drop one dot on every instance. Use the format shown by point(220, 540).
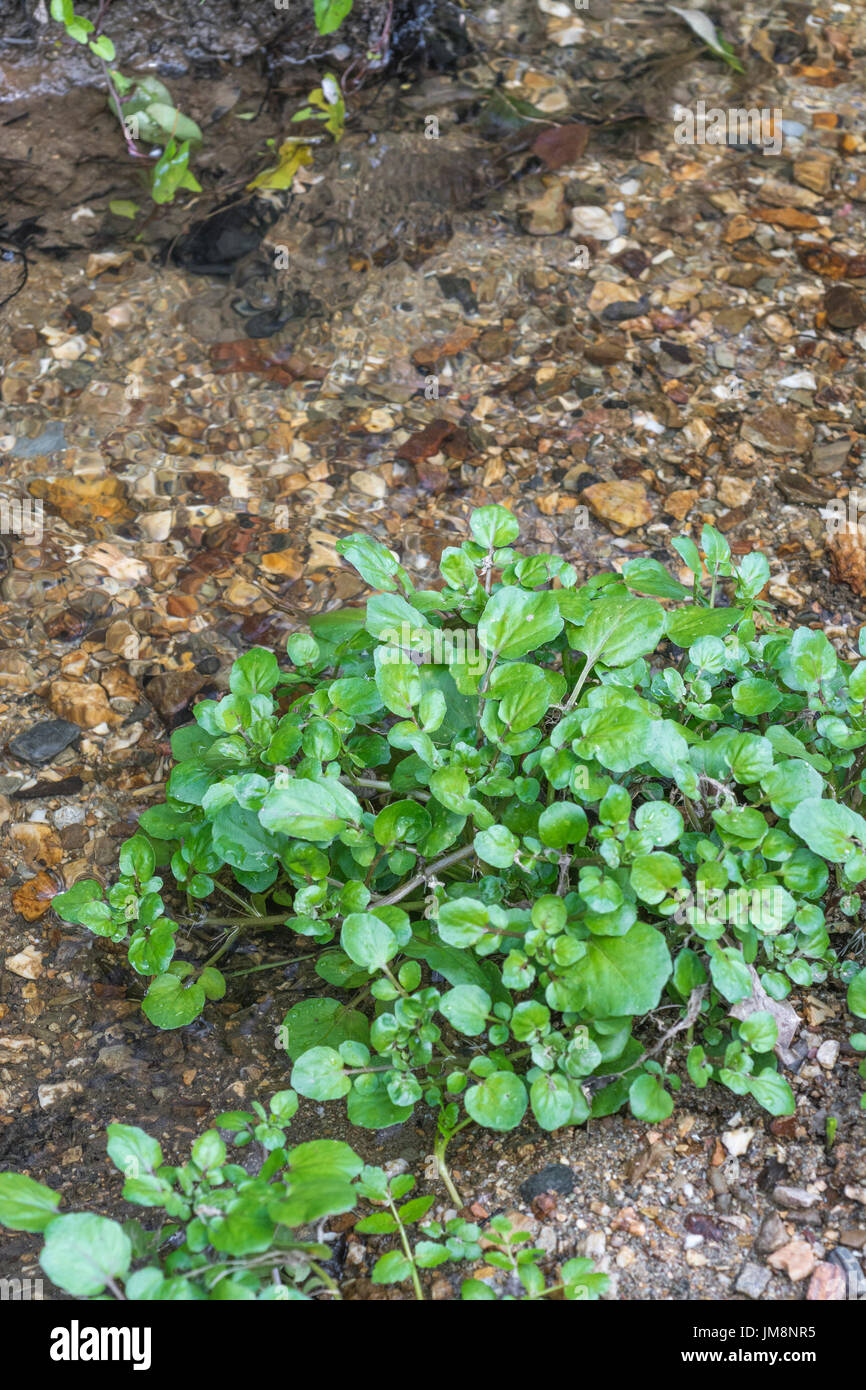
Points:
point(367, 941)
point(466, 1008)
point(498, 1102)
point(319, 1074)
point(83, 1252)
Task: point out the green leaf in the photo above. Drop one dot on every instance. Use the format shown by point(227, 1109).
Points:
point(309, 810)
point(654, 876)
point(373, 1108)
point(172, 1003)
point(790, 783)
point(77, 899)
point(618, 631)
point(649, 1100)
point(730, 974)
point(623, 974)
point(808, 660)
point(759, 1031)
point(374, 562)
point(857, 995)
point(496, 846)
point(493, 527)
point(647, 576)
point(828, 828)
point(83, 1252)
point(172, 121)
point(551, 1099)
point(319, 1074)
point(498, 1102)
point(402, 820)
point(132, 1150)
point(319, 1023)
point(26, 1205)
point(515, 622)
point(772, 1092)
point(698, 1068)
point(561, 824)
point(685, 625)
point(367, 940)
point(103, 48)
point(255, 673)
point(466, 1008)
point(391, 1268)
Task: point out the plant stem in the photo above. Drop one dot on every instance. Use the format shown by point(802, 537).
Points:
point(443, 1139)
point(407, 1250)
point(412, 883)
point(229, 942)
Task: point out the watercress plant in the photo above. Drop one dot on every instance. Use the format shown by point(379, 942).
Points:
point(515, 816)
point(230, 1234)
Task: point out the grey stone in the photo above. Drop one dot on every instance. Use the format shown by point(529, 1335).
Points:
point(752, 1280)
point(42, 742)
point(796, 1197)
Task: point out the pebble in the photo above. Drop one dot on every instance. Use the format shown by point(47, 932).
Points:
point(42, 742)
point(772, 1235)
point(594, 222)
point(828, 1053)
point(623, 504)
point(827, 1284)
point(796, 1258)
point(737, 1141)
point(50, 1094)
point(556, 1177)
point(68, 814)
point(752, 1280)
point(27, 964)
point(796, 1197)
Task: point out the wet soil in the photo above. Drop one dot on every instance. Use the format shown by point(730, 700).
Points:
point(620, 342)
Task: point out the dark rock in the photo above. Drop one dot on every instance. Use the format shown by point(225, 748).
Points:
point(697, 1224)
point(624, 309)
point(42, 742)
point(844, 307)
point(67, 786)
point(171, 692)
point(556, 1177)
point(459, 288)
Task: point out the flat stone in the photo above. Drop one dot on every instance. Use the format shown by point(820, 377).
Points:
point(623, 504)
point(779, 429)
point(796, 1197)
point(752, 1280)
point(42, 742)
